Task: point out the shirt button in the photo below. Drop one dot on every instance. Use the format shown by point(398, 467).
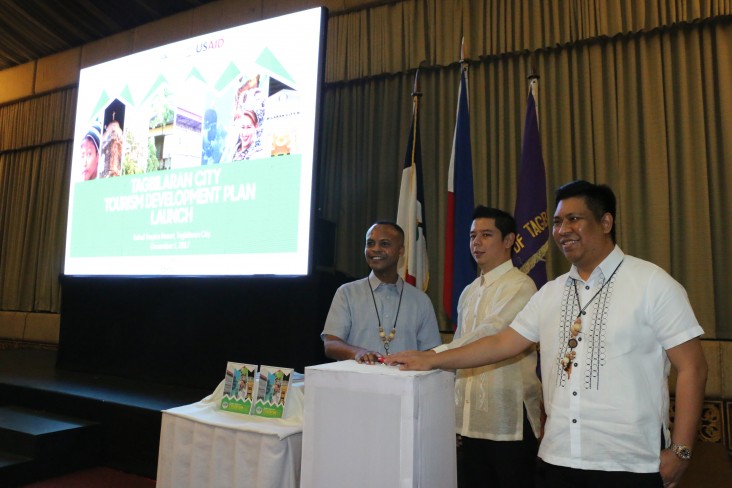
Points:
point(579, 338)
point(574, 421)
point(587, 287)
point(574, 393)
point(575, 365)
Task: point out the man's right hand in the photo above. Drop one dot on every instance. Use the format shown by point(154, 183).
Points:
point(413, 360)
point(364, 356)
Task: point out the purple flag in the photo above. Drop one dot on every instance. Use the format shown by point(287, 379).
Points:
point(532, 239)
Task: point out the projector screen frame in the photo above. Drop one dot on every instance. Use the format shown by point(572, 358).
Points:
point(222, 265)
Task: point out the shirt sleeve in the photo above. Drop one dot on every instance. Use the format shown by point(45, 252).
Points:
point(670, 312)
point(508, 301)
point(338, 322)
point(460, 305)
point(527, 320)
point(428, 334)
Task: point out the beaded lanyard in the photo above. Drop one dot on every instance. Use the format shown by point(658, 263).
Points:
point(384, 339)
point(576, 328)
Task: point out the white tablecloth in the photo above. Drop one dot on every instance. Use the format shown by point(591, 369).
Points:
point(203, 446)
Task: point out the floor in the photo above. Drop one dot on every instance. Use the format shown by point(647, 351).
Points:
point(34, 374)
point(96, 478)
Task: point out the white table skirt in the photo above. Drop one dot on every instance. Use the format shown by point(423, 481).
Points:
point(202, 446)
point(376, 426)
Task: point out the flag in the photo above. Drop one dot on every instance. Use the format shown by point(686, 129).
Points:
point(532, 221)
point(414, 265)
point(460, 268)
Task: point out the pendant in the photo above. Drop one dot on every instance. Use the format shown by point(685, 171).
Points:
point(386, 340)
point(566, 362)
point(572, 343)
point(576, 327)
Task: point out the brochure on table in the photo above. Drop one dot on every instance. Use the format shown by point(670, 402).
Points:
point(239, 387)
point(262, 393)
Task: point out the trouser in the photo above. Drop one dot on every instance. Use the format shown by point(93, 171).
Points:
point(563, 477)
point(483, 463)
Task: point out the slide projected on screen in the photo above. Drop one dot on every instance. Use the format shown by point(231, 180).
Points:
point(196, 158)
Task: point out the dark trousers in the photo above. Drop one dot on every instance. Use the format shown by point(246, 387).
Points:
point(562, 477)
point(484, 463)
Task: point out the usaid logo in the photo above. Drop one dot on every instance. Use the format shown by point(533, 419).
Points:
point(206, 46)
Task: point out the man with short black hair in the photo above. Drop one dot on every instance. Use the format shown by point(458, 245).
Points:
point(374, 316)
point(497, 407)
point(609, 330)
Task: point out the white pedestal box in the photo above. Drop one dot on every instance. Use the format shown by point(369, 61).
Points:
point(375, 426)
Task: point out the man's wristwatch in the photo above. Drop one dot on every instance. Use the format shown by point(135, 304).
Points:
point(683, 452)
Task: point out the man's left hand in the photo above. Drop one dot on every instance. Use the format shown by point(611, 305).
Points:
point(672, 468)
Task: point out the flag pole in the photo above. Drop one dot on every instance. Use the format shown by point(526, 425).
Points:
point(460, 268)
point(413, 264)
point(416, 94)
point(463, 59)
point(415, 90)
point(533, 78)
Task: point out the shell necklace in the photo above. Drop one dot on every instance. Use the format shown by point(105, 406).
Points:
point(386, 340)
point(568, 358)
